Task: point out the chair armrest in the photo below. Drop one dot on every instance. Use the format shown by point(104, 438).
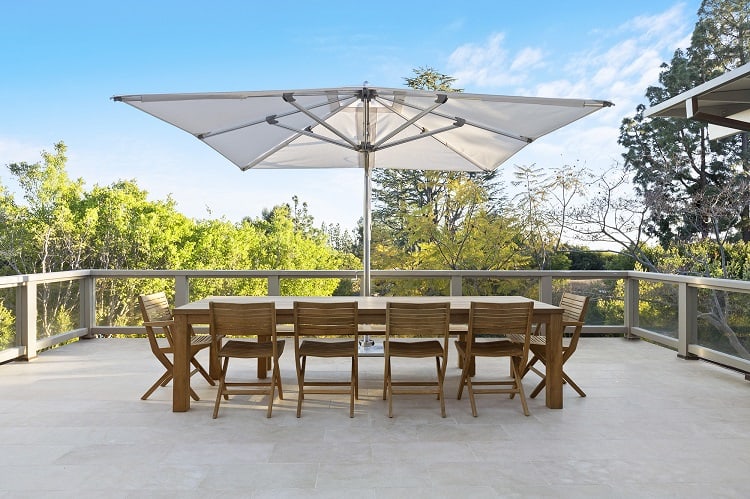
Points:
point(572, 323)
point(159, 323)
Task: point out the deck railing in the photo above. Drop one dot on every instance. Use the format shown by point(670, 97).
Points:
point(698, 317)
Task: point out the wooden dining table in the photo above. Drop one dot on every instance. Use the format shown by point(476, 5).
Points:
point(371, 312)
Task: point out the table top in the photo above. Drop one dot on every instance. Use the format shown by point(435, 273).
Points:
point(364, 303)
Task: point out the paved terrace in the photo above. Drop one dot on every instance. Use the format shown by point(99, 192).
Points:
point(72, 425)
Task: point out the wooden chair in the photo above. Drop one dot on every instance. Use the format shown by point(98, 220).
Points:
point(420, 320)
point(246, 319)
point(487, 321)
point(157, 316)
point(316, 319)
point(575, 307)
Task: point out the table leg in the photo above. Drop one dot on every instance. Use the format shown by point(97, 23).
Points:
point(554, 362)
point(181, 369)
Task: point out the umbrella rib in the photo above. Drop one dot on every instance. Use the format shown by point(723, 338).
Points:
point(511, 135)
point(289, 98)
point(307, 133)
point(457, 124)
point(233, 128)
point(441, 99)
point(206, 135)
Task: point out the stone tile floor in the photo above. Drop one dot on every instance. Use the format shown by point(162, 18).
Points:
point(72, 425)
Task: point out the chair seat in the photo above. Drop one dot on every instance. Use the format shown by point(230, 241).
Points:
point(538, 343)
point(494, 348)
point(250, 349)
point(415, 349)
point(200, 339)
point(315, 348)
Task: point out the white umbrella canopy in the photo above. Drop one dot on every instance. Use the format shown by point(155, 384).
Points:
point(364, 127)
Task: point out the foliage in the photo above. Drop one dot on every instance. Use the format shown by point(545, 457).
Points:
point(7, 327)
point(60, 225)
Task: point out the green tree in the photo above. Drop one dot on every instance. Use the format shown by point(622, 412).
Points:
point(438, 219)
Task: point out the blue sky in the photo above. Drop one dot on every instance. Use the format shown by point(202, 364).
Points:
point(62, 61)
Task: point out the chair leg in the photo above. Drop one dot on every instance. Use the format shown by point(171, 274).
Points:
point(386, 377)
point(530, 365)
point(165, 378)
point(390, 388)
point(355, 362)
point(441, 377)
point(203, 372)
point(222, 387)
point(464, 378)
point(273, 386)
point(573, 385)
point(300, 383)
point(278, 378)
point(353, 387)
point(519, 386)
point(539, 388)
point(194, 395)
point(473, 402)
point(437, 363)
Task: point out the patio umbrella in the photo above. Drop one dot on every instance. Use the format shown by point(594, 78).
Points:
point(364, 127)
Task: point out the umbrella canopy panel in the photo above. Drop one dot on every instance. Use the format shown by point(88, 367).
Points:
point(332, 128)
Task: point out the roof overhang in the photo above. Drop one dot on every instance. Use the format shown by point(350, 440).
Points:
point(723, 103)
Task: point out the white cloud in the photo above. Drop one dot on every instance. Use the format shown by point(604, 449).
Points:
point(527, 59)
point(490, 64)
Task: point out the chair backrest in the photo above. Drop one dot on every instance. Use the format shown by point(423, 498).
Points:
point(493, 319)
point(156, 314)
point(326, 318)
point(575, 308)
point(417, 319)
point(498, 319)
point(242, 319)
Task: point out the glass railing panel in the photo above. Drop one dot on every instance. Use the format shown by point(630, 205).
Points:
point(117, 298)
point(58, 308)
point(488, 286)
point(658, 307)
point(7, 318)
point(223, 286)
point(724, 322)
point(411, 287)
point(606, 298)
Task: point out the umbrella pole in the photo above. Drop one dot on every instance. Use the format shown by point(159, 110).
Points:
point(366, 342)
point(367, 229)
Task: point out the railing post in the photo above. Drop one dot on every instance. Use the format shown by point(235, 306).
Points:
point(545, 289)
point(631, 300)
point(457, 285)
point(87, 305)
point(687, 319)
point(181, 290)
point(274, 285)
point(26, 317)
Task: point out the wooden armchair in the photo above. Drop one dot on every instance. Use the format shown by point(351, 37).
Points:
point(575, 307)
point(157, 316)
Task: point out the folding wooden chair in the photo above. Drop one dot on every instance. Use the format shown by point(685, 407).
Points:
point(427, 322)
point(158, 316)
point(325, 319)
point(246, 319)
point(575, 307)
point(488, 321)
